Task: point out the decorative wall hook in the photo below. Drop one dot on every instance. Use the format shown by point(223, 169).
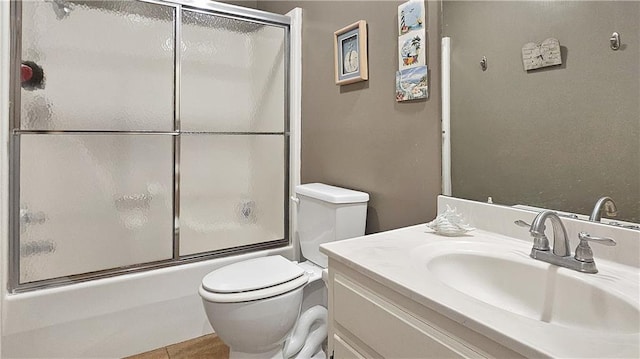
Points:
point(614, 41)
point(483, 63)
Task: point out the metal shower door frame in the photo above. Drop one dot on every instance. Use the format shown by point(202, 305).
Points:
point(206, 6)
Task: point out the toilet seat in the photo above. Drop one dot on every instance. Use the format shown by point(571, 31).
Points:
point(253, 279)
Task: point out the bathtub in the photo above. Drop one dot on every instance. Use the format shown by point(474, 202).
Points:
point(113, 317)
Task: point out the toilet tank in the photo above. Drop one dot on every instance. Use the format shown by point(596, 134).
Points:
point(328, 213)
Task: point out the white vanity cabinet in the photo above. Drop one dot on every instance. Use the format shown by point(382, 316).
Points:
point(369, 320)
point(410, 293)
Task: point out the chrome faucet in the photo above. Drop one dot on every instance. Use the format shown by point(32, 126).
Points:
point(582, 261)
point(609, 207)
point(560, 239)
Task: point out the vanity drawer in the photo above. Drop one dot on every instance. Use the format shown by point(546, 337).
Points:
point(387, 329)
point(342, 350)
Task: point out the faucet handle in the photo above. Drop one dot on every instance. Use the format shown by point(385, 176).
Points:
point(584, 236)
point(540, 242)
point(584, 252)
point(524, 224)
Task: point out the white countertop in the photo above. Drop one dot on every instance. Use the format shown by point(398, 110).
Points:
point(391, 258)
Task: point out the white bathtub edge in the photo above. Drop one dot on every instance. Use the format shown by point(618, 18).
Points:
point(112, 317)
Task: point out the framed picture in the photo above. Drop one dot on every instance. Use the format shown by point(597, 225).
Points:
point(411, 16)
point(411, 84)
point(411, 49)
point(350, 53)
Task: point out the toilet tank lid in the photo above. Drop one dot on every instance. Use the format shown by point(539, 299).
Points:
point(331, 194)
point(252, 274)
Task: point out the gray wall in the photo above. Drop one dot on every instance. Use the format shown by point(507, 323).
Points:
point(357, 136)
point(558, 137)
point(246, 3)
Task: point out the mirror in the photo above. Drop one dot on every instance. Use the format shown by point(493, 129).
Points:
point(557, 137)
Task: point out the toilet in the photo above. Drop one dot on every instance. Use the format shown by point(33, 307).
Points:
point(254, 306)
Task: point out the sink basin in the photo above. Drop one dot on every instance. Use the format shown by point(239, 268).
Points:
point(510, 280)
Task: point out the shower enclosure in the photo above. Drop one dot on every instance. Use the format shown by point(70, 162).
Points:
point(158, 135)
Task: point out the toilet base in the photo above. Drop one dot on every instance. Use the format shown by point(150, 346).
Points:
point(274, 354)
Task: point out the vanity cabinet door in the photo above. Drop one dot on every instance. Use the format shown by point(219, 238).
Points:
point(387, 329)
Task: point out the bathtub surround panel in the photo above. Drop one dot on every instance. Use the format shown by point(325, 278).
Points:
point(357, 136)
point(128, 181)
point(231, 197)
point(104, 68)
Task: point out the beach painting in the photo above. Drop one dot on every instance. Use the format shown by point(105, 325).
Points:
point(411, 16)
point(411, 84)
point(411, 50)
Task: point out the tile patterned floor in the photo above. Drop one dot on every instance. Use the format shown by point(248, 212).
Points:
point(208, 346)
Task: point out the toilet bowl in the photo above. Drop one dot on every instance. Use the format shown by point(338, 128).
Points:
point(254, 315)
point(254, 306)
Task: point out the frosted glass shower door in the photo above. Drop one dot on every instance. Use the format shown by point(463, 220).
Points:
point(232, 191)
point(233, 77)
point(95, 138)
point(233, 147)
point(108, 65)
point(94, 202)
point(134, 152)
